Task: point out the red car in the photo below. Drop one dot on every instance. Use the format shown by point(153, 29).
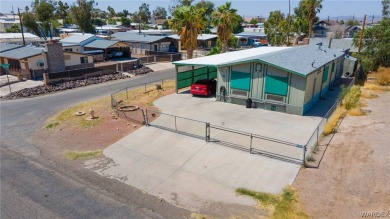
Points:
point(204, 87)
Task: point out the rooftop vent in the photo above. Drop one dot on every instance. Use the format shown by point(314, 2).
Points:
point(312, 64)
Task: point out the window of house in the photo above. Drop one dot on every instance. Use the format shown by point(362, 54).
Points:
point(240, 80)
point(276, 85)
point(84, 60)
point(68, 49)
point(275, 97)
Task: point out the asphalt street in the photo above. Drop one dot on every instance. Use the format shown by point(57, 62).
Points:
point(32, 187)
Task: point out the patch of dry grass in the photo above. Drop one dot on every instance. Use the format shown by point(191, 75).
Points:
point(369, 86)
point(135, 96)
point(357, 111)
point(76, 155)
point(285, 205)
point(383, 76)
point(368, 94)
point(330, 126)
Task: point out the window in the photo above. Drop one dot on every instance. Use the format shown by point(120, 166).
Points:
point(276, 85)
point(239, 92)
point(68, 49)
point(240, 80)
point(325, 76)
point(84, 60)
point(274, 98)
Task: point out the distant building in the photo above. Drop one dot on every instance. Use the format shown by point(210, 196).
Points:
point(6, 21)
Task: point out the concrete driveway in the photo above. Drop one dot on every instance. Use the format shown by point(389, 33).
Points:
point(192, 173)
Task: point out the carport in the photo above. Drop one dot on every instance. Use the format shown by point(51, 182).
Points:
point(187, 75)
point(109, 47)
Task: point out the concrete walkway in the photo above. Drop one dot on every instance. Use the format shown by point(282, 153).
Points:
point(190, 173)
point(15, 84)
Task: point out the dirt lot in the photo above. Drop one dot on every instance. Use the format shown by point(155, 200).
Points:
point(354, 173)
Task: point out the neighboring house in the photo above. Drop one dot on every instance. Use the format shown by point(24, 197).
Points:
point(8, 46)
point(6, 21)
point(29, 38)
point(108, 30)
point(77, 41)
point(350, 31)
point(32, 62)
point(205, 41)
point(142, 43)
point(25, 60)
point(110, 49)
point(284, 79)
point(249, 38)
point(320, 31)
point(153, 32)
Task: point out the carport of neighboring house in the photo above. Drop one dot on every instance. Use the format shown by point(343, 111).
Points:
point(109, 47)
point(284, 79)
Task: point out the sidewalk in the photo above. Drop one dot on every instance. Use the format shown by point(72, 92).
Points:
point(15, 84)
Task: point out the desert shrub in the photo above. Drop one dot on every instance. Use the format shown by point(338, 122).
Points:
point(351, 98)
point(330, 126)
point(383, 76)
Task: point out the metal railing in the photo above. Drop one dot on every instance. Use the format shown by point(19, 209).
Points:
point(237, 139)
point(316, 135)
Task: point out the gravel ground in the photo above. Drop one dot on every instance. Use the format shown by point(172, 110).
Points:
point(354, 174)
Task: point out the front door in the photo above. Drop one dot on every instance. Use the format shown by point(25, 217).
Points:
point(155, 47)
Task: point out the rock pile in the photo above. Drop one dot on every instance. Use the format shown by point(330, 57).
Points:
point(66, 85)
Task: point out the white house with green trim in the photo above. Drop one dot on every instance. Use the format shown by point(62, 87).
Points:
point(284, 79)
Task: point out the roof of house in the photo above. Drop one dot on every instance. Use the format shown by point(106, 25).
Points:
point(302, 60)
point(230, 57)
point(101, 44)
point(77, 38)
point(17, 35)
point(8, 46)
point(337, 44)
point(22, 52)
point(319, 27)
point(131, 37)
point(297, 60)
point(254, 34)
point(200, 36)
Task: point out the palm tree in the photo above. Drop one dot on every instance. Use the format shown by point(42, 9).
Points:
point(312, 8)
point(188, 22)
point(225, 19)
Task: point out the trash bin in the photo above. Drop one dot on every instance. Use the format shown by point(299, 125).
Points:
point(248, 103)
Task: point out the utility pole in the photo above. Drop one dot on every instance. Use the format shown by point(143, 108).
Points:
point(289, 22)
point(21, 26)
point(361, 36)
point(372, 20)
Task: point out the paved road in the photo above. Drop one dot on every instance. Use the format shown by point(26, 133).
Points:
point(32, 187)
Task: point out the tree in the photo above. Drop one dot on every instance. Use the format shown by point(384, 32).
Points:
point(160, 13)
point(125, 13)
point(238, 28)
point(82, 15)
point(62, 10)
point(352, 22)
point(341, 22)
point(254, 21)
point(208, 7)
point(308, 9)
point(144, 13)
point(376, 43)
point(179, 3)
point(188, 22)
point(111, 12)
point(125, 21)
point(225, 18)
point(14, 28)
point(41, 20)
point(273, 27)
point(232, 43)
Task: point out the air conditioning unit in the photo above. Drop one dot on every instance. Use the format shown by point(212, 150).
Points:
point(40, 64)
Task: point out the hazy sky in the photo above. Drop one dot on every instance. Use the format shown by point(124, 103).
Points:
point(332, 8)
